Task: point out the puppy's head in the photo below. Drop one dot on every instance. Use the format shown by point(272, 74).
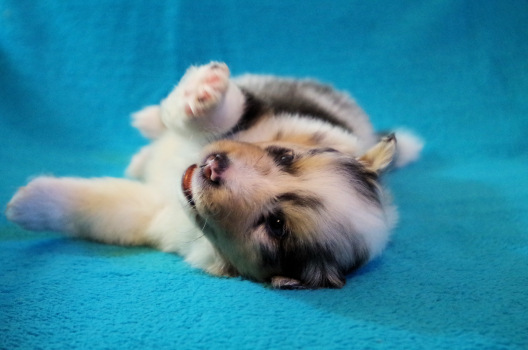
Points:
point(294, 216)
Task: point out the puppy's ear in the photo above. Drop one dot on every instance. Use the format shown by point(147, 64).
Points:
point(331, 279)
point(380, 156)
point(324, 281)
point(322, 275)
point(281, 282)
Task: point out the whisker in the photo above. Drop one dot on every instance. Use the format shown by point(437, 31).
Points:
point(195, 239)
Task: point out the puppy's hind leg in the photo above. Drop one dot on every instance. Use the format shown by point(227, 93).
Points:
point(205, 100)
point(109, 210)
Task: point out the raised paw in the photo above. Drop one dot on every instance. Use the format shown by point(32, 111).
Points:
point(40, 206)
point(205, 101)
point(203, 88)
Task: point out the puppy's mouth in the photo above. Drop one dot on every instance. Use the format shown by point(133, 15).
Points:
point(212, 173)
point(186, 184)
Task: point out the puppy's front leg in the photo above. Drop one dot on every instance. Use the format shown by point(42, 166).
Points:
point(205, 101)
point(114, 211)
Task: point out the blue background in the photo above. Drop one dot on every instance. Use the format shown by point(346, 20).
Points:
point(455, 274)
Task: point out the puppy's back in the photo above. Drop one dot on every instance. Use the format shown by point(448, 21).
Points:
point(311, 99)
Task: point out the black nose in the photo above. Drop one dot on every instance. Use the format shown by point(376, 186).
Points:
point(214, 166)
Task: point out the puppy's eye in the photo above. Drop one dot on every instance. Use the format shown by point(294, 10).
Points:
point(285, 158)
point(276, 225)
point(281, 156)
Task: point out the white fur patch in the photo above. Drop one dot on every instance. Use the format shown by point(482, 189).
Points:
point(148, 122)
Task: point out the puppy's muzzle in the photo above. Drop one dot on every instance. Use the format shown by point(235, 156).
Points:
point(214, 167)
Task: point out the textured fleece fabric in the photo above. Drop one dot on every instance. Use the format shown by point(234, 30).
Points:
point(455, 274)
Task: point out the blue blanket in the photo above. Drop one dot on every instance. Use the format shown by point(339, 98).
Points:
point(455, 275)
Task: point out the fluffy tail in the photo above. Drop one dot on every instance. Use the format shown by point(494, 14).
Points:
point(408, 147)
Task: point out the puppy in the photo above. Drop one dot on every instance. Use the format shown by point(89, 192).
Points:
point(272, 179)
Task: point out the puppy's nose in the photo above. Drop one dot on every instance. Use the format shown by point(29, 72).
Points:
point(214, 166)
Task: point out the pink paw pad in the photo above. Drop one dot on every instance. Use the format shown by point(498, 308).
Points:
point(204, 89)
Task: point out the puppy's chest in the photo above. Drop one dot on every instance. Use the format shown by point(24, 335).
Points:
point(169, 157)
